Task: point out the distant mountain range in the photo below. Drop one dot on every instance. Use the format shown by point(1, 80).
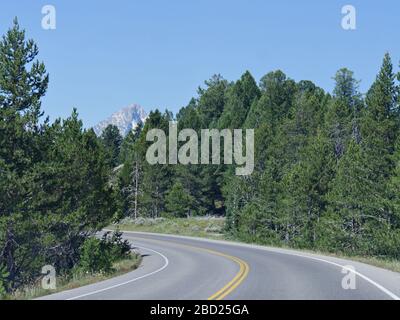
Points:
point(125, 119)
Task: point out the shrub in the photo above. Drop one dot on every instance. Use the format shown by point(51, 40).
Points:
point(98, 255)
point(94, 258)
point(117, 248)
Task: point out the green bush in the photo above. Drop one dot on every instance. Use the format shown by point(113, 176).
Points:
point(98, 255)
point(94, 258)
point(117, 248)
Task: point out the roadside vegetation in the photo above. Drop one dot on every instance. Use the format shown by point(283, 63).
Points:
point(100, 259)
point(205, 227)
point(77, 279)
point(210, 227)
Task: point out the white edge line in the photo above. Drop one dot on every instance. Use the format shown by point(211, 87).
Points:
point(377, 285)
point(129, 281)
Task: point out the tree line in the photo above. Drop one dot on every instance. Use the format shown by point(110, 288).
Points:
point(326, 164)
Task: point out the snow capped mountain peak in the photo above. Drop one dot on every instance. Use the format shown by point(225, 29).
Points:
point(125, 119)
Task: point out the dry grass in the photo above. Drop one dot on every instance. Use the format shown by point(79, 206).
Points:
point(205, 227)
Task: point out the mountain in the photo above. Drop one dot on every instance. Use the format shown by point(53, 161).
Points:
point(125, 119)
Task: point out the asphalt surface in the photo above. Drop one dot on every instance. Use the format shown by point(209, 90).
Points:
point(176, 268)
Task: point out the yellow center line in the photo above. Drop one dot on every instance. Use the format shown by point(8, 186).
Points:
point(231, 285)
point(236, 281)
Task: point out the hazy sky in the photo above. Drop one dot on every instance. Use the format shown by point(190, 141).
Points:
point(104, 55)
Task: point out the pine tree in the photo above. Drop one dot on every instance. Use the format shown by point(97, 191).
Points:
point(71, 197)
point(379, 132)
point(389, 235)
point(211, 101)
point(342, 117)
point(303, 189)
point(112, 141)
point(23, 82)
point(203, 182)
point(240, 97)
point(380, 122)
point(355, 199)
point(179, 202)
point(153, 181)
point(129, 142)
point(277, 93)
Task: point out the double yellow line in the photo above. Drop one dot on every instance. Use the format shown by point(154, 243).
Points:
point(231, 285)
point(236, 281)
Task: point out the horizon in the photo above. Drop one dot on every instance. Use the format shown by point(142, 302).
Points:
point(157, 55)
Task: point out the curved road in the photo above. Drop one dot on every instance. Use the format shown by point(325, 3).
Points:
point(176, 268)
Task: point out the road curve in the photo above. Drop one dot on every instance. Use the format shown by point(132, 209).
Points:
point(176, 268)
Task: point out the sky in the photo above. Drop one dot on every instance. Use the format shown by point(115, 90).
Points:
point(105, 55)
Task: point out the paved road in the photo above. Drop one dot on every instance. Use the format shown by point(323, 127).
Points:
point(190, 268)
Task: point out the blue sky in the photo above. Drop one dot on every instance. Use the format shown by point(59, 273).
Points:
point(105, 55)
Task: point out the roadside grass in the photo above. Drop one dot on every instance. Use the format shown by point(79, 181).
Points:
point(213, 228)
point(389, 264)
point(204, 227)
point(77, 279)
